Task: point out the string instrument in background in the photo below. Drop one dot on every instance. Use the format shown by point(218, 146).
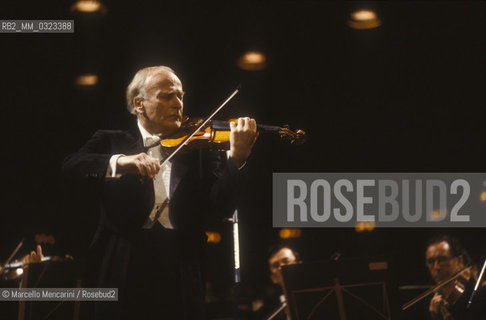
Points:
point(450, 289)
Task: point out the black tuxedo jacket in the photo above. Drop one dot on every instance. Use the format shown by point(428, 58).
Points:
point(203, 185)
point(201, 181)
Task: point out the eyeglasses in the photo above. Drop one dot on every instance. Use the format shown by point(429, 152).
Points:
point(282, 262)
point(440, 259)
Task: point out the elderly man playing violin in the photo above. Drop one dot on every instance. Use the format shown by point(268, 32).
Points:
point(150, 239)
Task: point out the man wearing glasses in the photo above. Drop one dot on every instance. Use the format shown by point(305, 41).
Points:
point(445, 257)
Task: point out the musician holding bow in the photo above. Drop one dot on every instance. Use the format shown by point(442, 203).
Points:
point(445, 257)
point(150, 238)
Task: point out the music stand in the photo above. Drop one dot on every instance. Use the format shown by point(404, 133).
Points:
point(346, 290)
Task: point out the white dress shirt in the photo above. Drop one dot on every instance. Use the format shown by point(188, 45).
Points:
point(160, 210)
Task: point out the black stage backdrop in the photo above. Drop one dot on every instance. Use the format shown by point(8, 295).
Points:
point(408, 96)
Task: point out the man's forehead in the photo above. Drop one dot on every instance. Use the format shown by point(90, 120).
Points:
point(162, 79)
point(438, 248)
point(282, 253)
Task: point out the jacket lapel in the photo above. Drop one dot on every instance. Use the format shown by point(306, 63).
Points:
point(178, 171)
point(135, 144)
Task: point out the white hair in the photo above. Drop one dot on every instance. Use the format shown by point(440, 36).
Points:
point(137, 86)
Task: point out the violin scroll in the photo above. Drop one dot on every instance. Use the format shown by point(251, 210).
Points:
point(296, 137)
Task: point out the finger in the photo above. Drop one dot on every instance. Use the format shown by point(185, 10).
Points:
point(145, 165)
point(233, 126)
point(39, 250)
point(157, 166)
point(247, 124)
point(153, 168)
point(149, 167)
point(241, 123)
point(141, 169)
point(252, 125)
point(150, 159)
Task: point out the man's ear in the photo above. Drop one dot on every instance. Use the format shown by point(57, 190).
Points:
point(138, 105)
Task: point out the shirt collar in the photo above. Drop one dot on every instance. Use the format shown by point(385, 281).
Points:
point(148, 139)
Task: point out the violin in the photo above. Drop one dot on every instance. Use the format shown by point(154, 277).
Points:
point(202, 133)
point(454, 291)
point(451, 289)
point(215, 134)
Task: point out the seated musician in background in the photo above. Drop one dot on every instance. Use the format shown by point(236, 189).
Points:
point(279, 256)
point(445, 257)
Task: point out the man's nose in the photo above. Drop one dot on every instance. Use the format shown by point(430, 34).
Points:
point(436, 264)
point(177, 102)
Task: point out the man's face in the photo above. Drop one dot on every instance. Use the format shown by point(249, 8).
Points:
point(442, 265)
point(160, 107)
point(281, 258)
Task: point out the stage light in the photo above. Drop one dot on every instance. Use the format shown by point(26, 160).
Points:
point(364, 226)
point(363, 19)
point(436, 214)
point(87, 80)
point(19, 271)
point(482, 197)
point(88, 6)
point(213, 237)
point(252, 61)
point(288, 233)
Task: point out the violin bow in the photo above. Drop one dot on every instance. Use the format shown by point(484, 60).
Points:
point(480, 278)
point(162, 162)
point(433, 289)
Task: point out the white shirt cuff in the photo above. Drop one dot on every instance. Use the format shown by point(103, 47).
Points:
point(111, 170)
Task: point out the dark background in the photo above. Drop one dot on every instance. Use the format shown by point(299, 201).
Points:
point(405, 97)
